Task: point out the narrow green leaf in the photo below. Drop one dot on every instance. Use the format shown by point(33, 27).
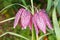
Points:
point(7, 20)
point(49, 4)
point(44, 35)
point(14, 35)
point(24, 3)
point(13, 5)
point(56, 3)
point(58, 7)
point(7, 2)
point(56, 25)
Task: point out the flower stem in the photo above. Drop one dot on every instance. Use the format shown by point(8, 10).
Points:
point(32, 33)
point(36, 37)
point(32, 9)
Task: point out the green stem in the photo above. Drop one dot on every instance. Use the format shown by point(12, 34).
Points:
point(32, 33)
point(36, 37)
point(32, 9)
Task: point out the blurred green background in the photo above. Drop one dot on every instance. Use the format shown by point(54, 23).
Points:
point(10, 12)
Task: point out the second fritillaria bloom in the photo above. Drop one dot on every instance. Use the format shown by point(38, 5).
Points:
point(39, 19)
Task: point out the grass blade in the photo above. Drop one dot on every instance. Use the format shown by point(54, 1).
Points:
point(13, 5)
point(49, 4)
point(18, 35)
point(56, 25)
point(7, 20)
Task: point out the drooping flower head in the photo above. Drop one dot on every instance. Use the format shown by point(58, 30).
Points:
point(43, 14)
point(23, 17)
point(40, 20)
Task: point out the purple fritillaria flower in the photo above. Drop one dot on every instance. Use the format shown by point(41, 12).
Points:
point(39, 23)
point(23, 17)
point(43, 14)
point(39, 19)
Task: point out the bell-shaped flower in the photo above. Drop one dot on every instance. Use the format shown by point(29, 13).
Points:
point(43, 14)
point(23, 18)
point(41, 20)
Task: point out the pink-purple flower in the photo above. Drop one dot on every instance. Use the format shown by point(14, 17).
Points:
point(23, 17)
point(40, 20)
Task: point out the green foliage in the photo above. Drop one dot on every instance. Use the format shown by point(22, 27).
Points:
point(58, 7)
point(49, 4)
point(56, 25)
point(8, 9)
